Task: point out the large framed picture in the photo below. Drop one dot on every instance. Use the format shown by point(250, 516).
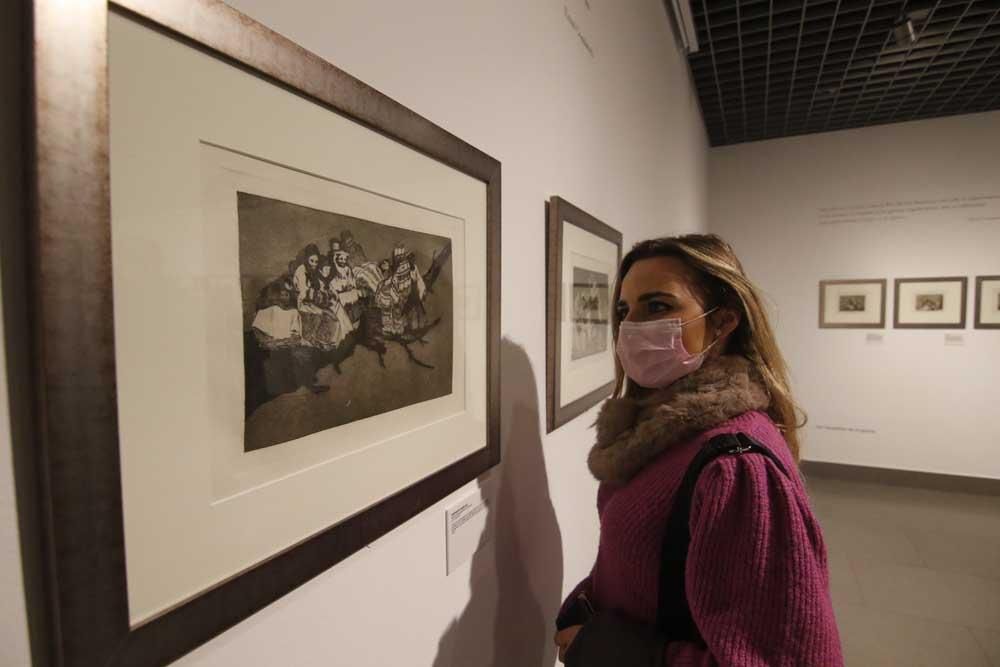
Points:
point(852, 304)
point(582, 261)
point(294, 346)
point(930, 303)
point(988, 302)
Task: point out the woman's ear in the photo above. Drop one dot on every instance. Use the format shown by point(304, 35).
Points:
point(725, 321)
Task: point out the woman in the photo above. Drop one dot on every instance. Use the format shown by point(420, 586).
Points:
point(696, 359)
point(344, 283)
point(388, 301)
point(277, 322)
point(334, 324)
point(304, 278)
point(304, 273)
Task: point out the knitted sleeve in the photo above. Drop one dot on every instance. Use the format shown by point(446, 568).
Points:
point(757, 579)
point(566, 615)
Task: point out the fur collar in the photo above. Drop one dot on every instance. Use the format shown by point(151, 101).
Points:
point(631, 432)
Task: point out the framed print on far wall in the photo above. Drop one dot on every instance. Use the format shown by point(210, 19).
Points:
point(930, 303)
point(582, 261)
point(852, 304)
point(294, 347)
point(988, 302)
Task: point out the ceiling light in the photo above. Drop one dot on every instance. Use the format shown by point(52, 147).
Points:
point(904, 32)
point(683, 22)
point(910, 25)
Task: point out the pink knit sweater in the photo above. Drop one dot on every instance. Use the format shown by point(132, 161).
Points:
point(757, 579)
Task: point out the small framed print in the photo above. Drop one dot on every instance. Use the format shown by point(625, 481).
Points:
point(988, 302)
point(852, 304)
point(930, 303)
point(581, 265)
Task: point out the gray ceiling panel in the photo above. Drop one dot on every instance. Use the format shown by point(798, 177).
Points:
point(775, 68)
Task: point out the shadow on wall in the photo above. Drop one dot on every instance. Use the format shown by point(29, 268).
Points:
point(516, 579)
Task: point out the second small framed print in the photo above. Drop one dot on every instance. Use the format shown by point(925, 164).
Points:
point(930, 303)
point(852, 304)
point(988, 302)
point(582, 261)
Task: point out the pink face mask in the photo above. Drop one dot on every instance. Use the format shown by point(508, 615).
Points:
point(653, 354)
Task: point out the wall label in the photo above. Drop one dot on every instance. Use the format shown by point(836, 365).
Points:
point(468, 526)
point(977, 208)
point(849, 429)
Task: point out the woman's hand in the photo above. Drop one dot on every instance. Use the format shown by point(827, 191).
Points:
point(564, 638)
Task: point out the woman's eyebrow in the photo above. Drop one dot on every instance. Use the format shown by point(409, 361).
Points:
point(652, 295)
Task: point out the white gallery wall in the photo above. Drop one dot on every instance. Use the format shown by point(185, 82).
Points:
point(911, 200)
point(587, 100)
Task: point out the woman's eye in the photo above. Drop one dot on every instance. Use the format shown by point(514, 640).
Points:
point(658, 307)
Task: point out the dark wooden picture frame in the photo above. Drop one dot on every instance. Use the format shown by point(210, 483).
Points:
point(558, 210)
point(979, 324)
point(72, 349)
point(953, 279)
point(823, 324)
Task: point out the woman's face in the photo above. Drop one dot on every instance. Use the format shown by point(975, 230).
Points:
point(313, 261)
point(659, 288)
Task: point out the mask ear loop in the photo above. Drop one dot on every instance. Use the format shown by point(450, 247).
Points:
point(703, 315)
point(717, 334)
point(709, 346)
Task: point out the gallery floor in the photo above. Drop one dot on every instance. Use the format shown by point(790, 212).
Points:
point(915, 574)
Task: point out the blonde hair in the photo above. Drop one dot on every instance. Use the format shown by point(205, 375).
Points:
point(723, 283)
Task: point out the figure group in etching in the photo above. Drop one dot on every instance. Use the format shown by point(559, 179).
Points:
point(323, 298)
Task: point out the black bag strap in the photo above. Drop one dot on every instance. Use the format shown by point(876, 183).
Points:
point(673, 616)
